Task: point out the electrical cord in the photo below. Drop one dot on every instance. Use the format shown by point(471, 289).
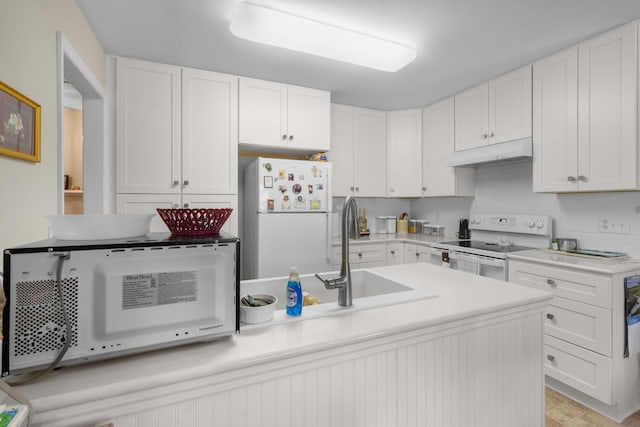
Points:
point(67, 342)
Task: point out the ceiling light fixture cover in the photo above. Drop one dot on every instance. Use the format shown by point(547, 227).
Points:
point(272, 27)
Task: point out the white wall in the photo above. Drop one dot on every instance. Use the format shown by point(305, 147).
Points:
point(508, 189)
point(28, 191)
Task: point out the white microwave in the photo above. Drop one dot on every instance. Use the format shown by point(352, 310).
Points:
point(119, 296)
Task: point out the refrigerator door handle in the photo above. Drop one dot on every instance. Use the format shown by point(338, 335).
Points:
point(329, 236)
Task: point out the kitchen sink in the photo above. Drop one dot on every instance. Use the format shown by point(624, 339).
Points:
point(369, 290)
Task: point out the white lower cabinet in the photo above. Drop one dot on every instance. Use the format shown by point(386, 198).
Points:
point(414, 252)
point(395, 253)
point(362, 256)
point(148, 203)
point(584, 329)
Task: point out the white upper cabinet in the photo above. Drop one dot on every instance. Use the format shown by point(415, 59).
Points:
point(148, 127)
point(495, 111)
point(358, 151)
point(209, 132)
point(438, 179)
point(585, 116)
point(283, 116)
point(607, 111)
point(555, 122)
point(404, 153)
point(176, 130)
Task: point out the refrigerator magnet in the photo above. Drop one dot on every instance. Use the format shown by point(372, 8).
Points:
point(300, 202)
point(285, 202)
point(281, 173)
point(282, 188)
point(268, 181)
point(296, 188)
point(314, 171)
point(310, 187)
point(270, 204)
point(291, 177)
point(314, 204)
point(267, 166)
point(301, 177)
point(320, 186)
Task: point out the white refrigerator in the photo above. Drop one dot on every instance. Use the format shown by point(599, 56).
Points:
point(287, 217)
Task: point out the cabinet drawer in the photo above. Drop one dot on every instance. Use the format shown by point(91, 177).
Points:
point(582, 287)
point(361, 253)
point(581, 324)
point(584, 370)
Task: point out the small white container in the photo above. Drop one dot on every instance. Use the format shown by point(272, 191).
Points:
point(391, 224)
point(381, 225)
point(260, 314)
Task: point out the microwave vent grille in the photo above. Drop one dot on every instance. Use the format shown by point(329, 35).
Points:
point(40, 325)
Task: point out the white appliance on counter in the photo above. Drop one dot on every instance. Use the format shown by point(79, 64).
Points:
point(74, 301)
point(494, 237)
point(287, 217)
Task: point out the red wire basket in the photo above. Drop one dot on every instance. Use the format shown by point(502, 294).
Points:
point(194, 222)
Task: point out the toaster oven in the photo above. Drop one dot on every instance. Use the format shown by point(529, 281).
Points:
point(93, 300)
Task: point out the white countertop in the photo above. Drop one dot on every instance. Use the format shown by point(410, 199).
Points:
point(460, 296)
point(590, 264)
point(399, 237)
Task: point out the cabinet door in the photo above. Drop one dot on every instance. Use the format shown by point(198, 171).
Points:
point(308, 118)
point(555, 122)
point(472, 117)
point(395, 254)
point(370, 155)
point(209, 132)
point(410, 254)
point(147, 204)
point(607, 114)
point(438, 143)
point(147, 127)
point(404, 174)
point(510, 106)
point(423, 253)
point(262, 113)
point(215, 201)
point(342, 150)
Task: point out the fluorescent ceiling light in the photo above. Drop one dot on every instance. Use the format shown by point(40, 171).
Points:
point(268, 26)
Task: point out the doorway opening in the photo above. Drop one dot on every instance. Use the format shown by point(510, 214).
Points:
point(73, 70)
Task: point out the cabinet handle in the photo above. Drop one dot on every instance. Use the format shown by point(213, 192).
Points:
point(290, 137)
point(393, 252)
point(571, 178)
point(424, 188)
point(358, 189)
point(550, 316)
point(360, 254)
point(185, 183)
point(484, 136)
point(176, 206)
point(284, 137)
point(351, 188)
point(551, 357)
point(551, 282)
point(582, 178)
point(176, 182)
point(392, 190)
point(417, 254)
point(491, 135)
point(186, 205)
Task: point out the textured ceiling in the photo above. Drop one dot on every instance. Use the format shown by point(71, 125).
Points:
point(460, 42)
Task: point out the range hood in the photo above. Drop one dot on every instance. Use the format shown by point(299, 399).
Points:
point(494, 153)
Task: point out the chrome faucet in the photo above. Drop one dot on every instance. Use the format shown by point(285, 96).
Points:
point(349, 230)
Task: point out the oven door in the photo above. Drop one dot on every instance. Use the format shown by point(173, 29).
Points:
point(477, 264)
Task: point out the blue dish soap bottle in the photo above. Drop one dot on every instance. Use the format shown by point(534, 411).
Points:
point(294, 293)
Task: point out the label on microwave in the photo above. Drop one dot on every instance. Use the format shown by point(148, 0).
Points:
point(152, 289)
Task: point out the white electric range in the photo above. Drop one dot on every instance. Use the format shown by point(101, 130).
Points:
point(493, 238)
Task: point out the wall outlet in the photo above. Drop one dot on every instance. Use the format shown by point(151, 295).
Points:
point(611, 225)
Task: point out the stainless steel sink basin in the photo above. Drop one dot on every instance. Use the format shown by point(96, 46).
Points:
point(369, 290)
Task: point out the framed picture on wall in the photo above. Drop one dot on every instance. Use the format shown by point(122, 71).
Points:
point(19, 125)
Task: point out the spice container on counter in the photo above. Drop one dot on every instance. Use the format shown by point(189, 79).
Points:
point(413, 227)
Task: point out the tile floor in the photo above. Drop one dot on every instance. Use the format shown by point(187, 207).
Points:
point(560, 411)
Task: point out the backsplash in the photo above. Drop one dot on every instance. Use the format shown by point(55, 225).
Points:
point(508, 189)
